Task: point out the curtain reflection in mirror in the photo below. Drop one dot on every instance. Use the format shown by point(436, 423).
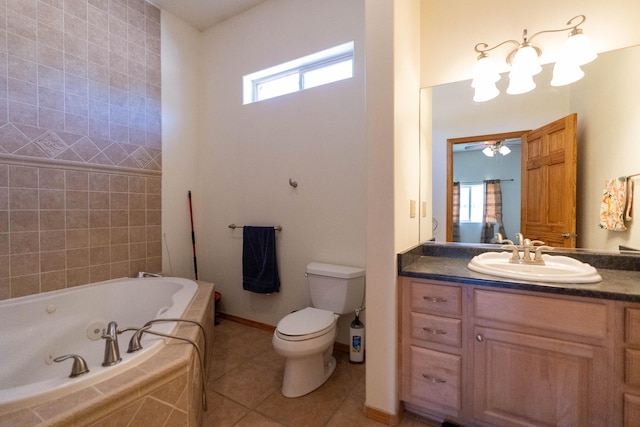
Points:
point(492, 210)
point(455, 220)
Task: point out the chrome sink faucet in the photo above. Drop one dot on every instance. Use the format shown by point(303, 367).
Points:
point(526, 245)
point(111, 348)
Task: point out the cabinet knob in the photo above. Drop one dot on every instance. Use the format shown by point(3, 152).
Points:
point(479, 338)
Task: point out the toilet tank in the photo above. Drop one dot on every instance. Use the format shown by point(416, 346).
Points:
point(336, 288)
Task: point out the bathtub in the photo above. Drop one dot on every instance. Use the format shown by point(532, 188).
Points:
point(36, 329)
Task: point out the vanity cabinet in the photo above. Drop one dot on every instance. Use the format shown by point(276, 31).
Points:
point(627, 364)
point(539, 360)
point(522, 358)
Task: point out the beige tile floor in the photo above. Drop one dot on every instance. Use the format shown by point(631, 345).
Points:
point(245, 379)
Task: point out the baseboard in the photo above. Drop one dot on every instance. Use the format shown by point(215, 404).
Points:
point(248, 322)
point(381, 417)
point(343, 348)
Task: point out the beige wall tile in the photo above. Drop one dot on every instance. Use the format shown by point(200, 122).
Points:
point(51, 199)
point(119, 218)
point(77, 199)
point(52, 220)
point(77, 239)
point(52, 261)
point(4, 221)
point(77, 258)
point(25, 285)
point(22, 243)
point(23, 221)
point(23, 198)
point(25, 264)
point(78, 218)
point(78, 276)
point(53, 281)
point(99, 218)
point(5, 290)
point(99, 236)
point(52, 240)
point(4, 266)
point(23, 177)
point(81, 75)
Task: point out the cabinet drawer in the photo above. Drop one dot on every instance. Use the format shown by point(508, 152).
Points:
point(436, 299)
point(435, 377)
point(632, 326)
point(554, 314)
point(632, 367)
point(436, 329)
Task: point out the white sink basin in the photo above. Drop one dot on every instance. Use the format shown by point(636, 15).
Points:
point(557, 269)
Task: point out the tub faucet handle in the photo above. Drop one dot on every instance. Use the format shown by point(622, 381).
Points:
point(111, 348)
point(79, 365)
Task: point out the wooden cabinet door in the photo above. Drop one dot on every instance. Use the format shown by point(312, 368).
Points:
point(548, 202)
point(525, 380)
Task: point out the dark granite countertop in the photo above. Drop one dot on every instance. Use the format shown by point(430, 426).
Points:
point(448, 262)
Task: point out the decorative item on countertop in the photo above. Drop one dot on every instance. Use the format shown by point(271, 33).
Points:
point(356, 347)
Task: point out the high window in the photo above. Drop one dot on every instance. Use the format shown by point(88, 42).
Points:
point(318, 69)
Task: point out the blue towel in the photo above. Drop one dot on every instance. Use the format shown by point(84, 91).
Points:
point(259, 264)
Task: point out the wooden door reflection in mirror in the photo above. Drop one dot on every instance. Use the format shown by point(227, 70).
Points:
point(547, 199)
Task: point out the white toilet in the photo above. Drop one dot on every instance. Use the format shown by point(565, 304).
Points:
point(305, 337)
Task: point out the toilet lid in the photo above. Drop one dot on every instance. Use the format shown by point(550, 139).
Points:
point(305, 324)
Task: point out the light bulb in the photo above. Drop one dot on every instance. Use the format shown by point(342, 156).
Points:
point(504, 150)
point(488, 151)
point(486, 92)
point(526, 61)
point(520, 83)
point(484, 71)
point(577, 48)
point(566, 72)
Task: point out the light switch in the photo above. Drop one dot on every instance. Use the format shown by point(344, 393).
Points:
point(412, 208)
point(424, 210)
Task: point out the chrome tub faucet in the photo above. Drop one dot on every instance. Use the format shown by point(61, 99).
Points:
point(111, 348)
point(142, 274)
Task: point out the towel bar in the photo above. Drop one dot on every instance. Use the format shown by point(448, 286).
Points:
point(233, 227)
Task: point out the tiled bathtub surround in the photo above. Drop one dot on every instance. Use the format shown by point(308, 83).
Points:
point(67, 227)
point(80, 142)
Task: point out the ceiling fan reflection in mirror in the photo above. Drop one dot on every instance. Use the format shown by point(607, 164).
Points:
point(491, 148)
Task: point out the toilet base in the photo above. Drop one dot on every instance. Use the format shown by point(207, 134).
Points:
point(305, 374)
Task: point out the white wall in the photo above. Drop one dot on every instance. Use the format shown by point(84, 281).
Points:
point(608, 142)
point(181, 88)
point(249, 152)
point(392, 37)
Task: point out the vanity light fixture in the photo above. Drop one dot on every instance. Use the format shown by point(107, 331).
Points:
point(524, 61)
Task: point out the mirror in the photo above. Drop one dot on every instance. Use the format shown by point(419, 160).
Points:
point(606, 101)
